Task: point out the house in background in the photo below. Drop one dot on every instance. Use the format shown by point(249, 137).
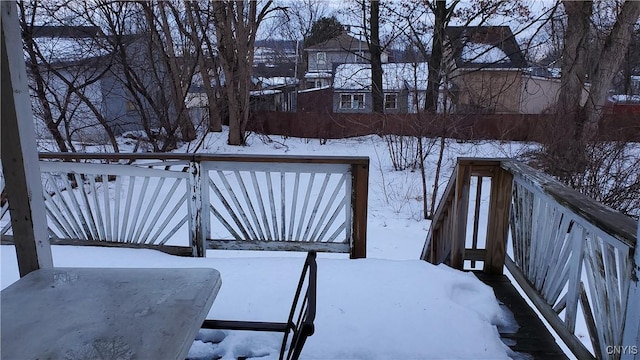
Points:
point(484, 67)
point(323, 58)
point(488, 73)
point(92, 75)
point(404, 86)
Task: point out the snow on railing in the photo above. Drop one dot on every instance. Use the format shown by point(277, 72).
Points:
point(187, 203)
point(573, 256)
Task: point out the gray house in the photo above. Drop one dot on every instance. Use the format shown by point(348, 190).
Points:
point(404, 86)
point(86, 84)
point(324, 57)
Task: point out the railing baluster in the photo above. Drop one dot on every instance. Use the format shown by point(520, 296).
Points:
point(272, 204)
point(283, 210)
point(87, 214)
point(127, 207)
point(305, 205)
point(476, 217)
point(316, 206)
point(116, 209)
point(294, 203)
point(139, 233)
point(168, 216)
point(258, 229)
point(136, 214)
point(327, 207)
point(160, 210)
point(229, 209)
point(263, 212)
point(107, 207)
point(96, 206)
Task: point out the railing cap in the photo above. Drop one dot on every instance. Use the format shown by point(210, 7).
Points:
point(618, 225)
point(310, 159)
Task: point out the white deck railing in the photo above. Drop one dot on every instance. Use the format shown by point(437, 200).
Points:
point(195, 202)
point(574, 257)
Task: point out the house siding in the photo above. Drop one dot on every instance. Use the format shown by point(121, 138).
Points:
point(333, 57)
point(491, 91)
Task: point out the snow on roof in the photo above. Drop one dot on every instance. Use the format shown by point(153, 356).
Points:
point(314, 89)
point(69, 49)
point(277, 80)
point(395, 76)
point(619, 98)
point(264, 92)
point(477, 53)
point(317, 75)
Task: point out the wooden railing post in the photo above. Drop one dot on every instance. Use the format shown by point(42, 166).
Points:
point(360, 190)
point(631, 332)
point(498, 222)
point(197, 236)
point(461, 210)
point(19, 152)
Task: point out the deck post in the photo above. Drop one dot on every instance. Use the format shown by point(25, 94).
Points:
point(360, 190)
point(196, 232)
point(19, 152)
point(498, 223)
point(461, 210)
point(631, 332)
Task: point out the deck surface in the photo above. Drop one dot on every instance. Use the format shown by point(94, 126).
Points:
point(532, 337)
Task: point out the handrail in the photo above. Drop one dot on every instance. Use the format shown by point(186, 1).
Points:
point(307, 159)
point(568, 252)
point(214, 201)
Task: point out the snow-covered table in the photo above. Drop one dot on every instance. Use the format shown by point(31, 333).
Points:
point(82, 313)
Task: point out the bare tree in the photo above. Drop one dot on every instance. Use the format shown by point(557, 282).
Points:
point(236, 24)
point(65, 89)
point(583, 59)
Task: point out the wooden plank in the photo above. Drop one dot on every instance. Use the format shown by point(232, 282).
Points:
point(291, 159)
point(572, 342)
point(432, 241)
point(531, 336)
point(475, 254)
point(19, 151)
point(245, 325)
point(498, 224)
point(196, 209)
point(303, 246)
point(169, 249)
point(631, 332)
point(359, 203)
point(618, 225)
point(476, 218)
point(461, 209)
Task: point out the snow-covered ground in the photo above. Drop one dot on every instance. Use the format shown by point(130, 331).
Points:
point(389, 306)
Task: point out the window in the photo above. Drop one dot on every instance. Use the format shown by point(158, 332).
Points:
point(391, 101)
point(321, 58)
point(352, 101)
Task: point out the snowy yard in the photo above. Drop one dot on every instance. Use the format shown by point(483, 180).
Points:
point(389, 306)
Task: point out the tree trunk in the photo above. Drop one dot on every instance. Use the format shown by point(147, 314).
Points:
point(608, 64)
point(236, 29)
point(377, 92)
point(435, 61)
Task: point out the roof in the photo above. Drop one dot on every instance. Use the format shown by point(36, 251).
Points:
point(342, 42)
point(485, 46)
point(73, 32)
point(395, 76)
